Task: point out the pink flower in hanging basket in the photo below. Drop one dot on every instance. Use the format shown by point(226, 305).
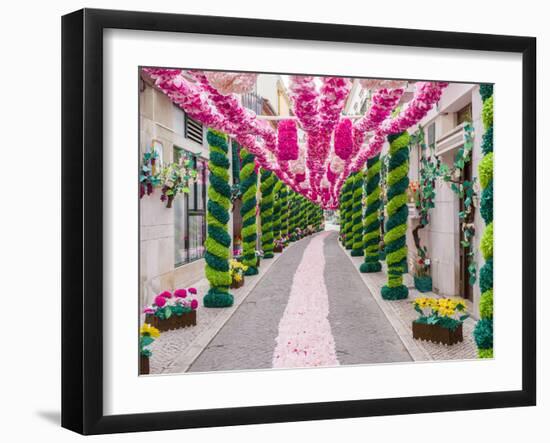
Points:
point(194, 304)
point(192, 291)
point(343, 139)
point(166, 294)
point(180, 293)
point(148, 310)
point(287, 148)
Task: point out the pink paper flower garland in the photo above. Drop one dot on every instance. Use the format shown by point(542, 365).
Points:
point(315, 170)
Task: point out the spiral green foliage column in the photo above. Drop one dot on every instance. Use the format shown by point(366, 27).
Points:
point(266, 211)
point(483, 332)
point(357, 215)
point(292, 205)
point(396, 225)
point(218, 240)
point(371, 219)
point(348, 206)
point(249, 180)
point(284, 210)
point(277, 210)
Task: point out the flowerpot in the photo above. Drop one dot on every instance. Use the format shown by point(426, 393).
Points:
point(169, 201)
point(237, 284)
point(143, 365)
point(436, 333)
point(174, 322)
point(423, 283)
point(278, 249)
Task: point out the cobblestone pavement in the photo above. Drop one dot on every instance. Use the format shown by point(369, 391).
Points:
point(366, 329)
point(401, 315)
point(360, 328)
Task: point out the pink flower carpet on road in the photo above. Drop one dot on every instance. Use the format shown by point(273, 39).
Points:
point(305, 337)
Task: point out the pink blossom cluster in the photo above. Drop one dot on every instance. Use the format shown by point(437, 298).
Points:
point(287, 134)
point(343, 139)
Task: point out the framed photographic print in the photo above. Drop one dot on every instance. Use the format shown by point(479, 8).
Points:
point(270, 221)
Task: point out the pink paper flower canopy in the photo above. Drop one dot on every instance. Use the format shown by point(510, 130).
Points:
point(333, 145)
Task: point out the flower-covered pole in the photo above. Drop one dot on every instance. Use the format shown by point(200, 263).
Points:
point(348, 228)
point(371, 219)
point(483, 332)
point(218, 240)
point(266, 211)
point(357, 216)
point(284, 210)
point(277, 210)
point(248, 178)
point(293, 218)
point(396, 225)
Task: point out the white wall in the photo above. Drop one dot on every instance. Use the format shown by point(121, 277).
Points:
point(30, 379)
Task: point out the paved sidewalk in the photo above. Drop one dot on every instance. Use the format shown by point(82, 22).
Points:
point(400, 314)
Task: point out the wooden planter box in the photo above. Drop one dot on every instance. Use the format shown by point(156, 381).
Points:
point(278, 249)
point(174, 322)
point(143, 365)
point(237, 284)
point(436, 333)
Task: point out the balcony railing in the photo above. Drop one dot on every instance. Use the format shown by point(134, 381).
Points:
point(450, 140)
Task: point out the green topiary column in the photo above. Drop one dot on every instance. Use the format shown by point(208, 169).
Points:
point(371, 220)
point(218, 240)
point(277, 210)
point(357, 215)
point(266, 211)
point(395, 238)
point(249, 180)
point(483, 332)
point(348, 205)
point(284, 211)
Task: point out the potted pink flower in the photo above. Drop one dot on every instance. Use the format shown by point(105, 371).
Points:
point(173, 311)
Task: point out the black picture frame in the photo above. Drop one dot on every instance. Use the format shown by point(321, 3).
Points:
point(82, 216)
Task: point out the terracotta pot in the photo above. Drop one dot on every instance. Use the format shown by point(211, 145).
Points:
point(237, 284)
point(174, 322)
point(436, 333)
point(143, 365)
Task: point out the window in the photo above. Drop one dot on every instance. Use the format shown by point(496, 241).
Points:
point(464, 114)
point(193, 129)
point(190, 214)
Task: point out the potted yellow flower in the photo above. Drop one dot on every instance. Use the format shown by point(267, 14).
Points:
point(440, 319)
point(237, 270)
point(147, 335)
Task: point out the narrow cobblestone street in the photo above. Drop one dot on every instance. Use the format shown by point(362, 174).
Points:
point(358, 328)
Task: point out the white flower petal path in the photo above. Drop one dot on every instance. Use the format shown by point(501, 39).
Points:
point(305, 338)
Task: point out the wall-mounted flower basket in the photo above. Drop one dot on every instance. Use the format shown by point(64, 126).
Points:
point(173, 322)
point(237, 284)
point(278, 248)
point(423, 283)
point(436, 333)
point(143, 365)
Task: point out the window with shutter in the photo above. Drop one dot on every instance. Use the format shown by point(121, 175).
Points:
point(193, 129)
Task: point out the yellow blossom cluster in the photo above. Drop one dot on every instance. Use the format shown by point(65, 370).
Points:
point(147, 329)
point(237, 270)
point(443, 306)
